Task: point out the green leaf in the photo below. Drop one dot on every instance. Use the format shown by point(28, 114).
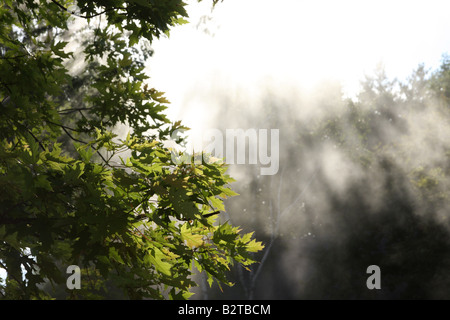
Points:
point(42, 182)
point(56, 166)
point(12, 240)
point(247, 237)
point(58, 49)
point(191, 240)
point(217, 203)
point(2, 231)
point(114, 254)
point(143, 3)
point(155, 258)
point(254, 246)
point(85, 152)
point(186, 294)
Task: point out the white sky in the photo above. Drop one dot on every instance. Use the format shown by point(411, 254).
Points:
point(295, 42)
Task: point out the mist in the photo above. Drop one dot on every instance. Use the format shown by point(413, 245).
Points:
point(355, 89)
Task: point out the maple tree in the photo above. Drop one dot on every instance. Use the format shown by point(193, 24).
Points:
point(71, 190)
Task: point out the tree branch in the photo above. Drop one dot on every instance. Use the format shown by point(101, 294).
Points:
point(83, 142)
point(72, 137)
point(36, 139)
point(10, 274)
point(68, 111)
point(275, 228)
point(80, 16)
point(63, 126)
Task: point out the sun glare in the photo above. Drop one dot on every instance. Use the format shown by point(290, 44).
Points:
point(248, 43)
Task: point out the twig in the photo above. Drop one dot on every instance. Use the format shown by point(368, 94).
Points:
point(207, 215)
point(63, 126)
point(72, 137)
point(286, 210)
point(273, 236)
point(37, 140)
point(84, 142)
point(80, 16)
point(275, 228)
point(71, 110)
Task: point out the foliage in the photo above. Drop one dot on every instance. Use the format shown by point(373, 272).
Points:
point(71, 190)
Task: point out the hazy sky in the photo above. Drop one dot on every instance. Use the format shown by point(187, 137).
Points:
point(297, 43)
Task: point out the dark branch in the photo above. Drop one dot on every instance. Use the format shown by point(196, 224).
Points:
point(72, 110)
point(63, 126)
point(210, 214)
point(72, 137)
point(84, 142)
point(36, 139)
point(6, 86)
point(85, 17)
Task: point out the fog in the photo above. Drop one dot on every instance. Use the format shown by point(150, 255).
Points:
point(364, 156)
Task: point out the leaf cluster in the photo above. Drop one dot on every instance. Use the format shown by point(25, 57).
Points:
point(71, 190)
